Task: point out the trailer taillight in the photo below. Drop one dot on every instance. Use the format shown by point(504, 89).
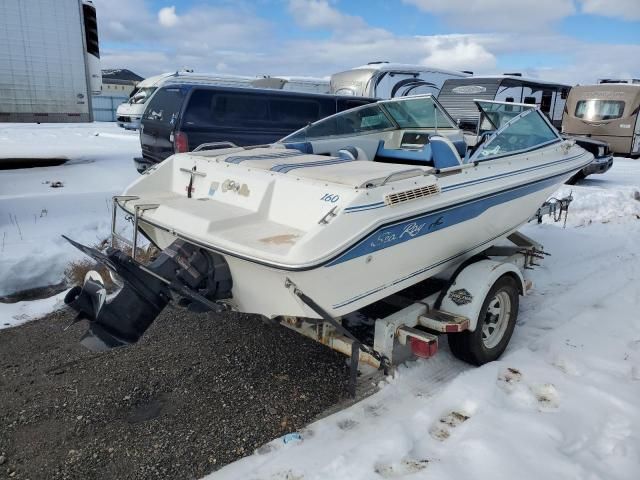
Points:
point(180, 142)
point(423, 349)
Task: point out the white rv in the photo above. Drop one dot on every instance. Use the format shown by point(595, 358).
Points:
point(389, 80)
point(49, 60)
point(130, 112)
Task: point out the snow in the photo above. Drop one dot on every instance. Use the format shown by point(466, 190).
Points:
point(562, 402)
point(14, 314)
point(33, 215)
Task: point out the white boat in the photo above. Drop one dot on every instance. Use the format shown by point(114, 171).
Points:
point(346, 211)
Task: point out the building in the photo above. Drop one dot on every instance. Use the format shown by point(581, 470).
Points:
point(49, 60)
point(119, 81)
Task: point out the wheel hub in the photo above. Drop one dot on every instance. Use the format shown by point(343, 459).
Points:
point(496, 319)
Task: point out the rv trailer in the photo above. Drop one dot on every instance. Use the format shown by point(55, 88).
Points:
point(49, 60)
point(457, 96)
point(389, 80)
point(607, 112)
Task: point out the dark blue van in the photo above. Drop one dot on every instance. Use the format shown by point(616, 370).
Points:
point(179, 118)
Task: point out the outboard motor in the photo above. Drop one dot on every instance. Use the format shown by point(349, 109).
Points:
point(199, 276)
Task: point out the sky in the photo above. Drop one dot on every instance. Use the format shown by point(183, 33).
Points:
point(571, 41)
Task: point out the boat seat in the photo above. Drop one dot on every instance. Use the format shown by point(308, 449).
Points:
point(461, 147)
point(401, 155)
point(349, 153)
point(445, 153)
point(483, 138)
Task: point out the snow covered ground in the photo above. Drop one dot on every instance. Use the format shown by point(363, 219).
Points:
point(33, 215)
point(561, 403)
point(14, 314)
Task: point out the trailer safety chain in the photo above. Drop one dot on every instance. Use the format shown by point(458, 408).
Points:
point(356, 344)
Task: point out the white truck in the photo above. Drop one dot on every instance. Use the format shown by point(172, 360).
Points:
point(49, 60)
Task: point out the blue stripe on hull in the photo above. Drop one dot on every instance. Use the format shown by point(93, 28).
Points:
point(422, 270)
point(371, 206)
point(368, 206)
point(440, 219)
point(539, 185)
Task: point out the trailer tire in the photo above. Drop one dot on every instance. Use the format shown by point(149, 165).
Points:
point(492, 334)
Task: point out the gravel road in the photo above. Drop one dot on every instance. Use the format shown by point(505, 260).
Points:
point(197, 392)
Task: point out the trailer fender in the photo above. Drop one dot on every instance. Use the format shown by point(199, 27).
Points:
point(470, 288)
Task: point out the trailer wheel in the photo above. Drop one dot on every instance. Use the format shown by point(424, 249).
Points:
point(495, 325)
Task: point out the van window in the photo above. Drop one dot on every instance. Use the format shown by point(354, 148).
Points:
point(349, 103)
point(599, 109)
point(207, 108)
point(215, 108)
point(165, 106)
point(232, 109)
point(293, 113)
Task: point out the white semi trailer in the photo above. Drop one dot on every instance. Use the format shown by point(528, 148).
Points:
point(49, 60)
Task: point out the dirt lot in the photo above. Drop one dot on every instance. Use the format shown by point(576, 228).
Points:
point(197, 392)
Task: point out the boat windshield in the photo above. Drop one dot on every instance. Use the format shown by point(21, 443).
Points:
point(494, 115)
point(409, 112)
point(360, 120)
point(418, 112)
point(516, 131)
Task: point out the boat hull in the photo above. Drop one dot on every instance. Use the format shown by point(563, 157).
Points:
point(396, 255)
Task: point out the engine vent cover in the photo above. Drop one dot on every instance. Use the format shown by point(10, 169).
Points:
point(414, 194)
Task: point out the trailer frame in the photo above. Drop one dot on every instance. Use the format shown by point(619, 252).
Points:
point(416, 328)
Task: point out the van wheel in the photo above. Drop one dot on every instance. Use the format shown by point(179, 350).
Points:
point(495, 325)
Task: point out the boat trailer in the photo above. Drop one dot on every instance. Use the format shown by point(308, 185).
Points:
point(203, 281)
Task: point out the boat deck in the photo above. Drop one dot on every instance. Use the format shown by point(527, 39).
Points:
point(338, 170)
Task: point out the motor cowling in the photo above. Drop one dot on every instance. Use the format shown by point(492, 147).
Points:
point(123, 319)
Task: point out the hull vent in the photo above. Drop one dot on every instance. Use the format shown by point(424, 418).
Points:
point(414, 194)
